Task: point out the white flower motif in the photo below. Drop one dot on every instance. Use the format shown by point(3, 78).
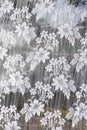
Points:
point(84, 40)
point(65, 30)
point(57, 113)
point(43, 121)
point(43, 8)
point(31, 61)
point(24, 9)
point(80, 59)
point(3, 52)
point(39, 85)
point(15, 14)
point(12, 126)
point(75, 59)
point(6, 6)
point(22, 29)
point(72, 86)
point(16, 81)
point(49, 40)
point(4, 85)
point(9, 117)
point(27, 32)
point(7, 38)
point(50, 95)
point(41, 55)
point(78, 95)
point(33, 91)
point(83, 57)
point(83, 88)
point(53, 120)
point(14, 63)
point(58, 128)
point(36, 107)
point(69, 32)
point(60, 82)
point(48, 115)
point(77, 114)
point(70, 113)
point(27, 112)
